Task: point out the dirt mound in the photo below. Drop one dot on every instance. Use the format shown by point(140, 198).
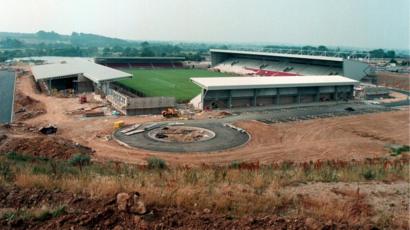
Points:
point(44, 146)
point(183, 134)
point(82, 211)
point(25, 107)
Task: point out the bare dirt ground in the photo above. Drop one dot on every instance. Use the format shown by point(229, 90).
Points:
point(394, 80)
point(342, 138)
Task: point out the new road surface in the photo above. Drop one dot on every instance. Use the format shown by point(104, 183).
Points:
point(7, 81)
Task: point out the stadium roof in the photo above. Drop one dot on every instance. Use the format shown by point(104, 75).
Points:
point(299, 56)
point(140, 58)
point(95, 72)
point(221, 83)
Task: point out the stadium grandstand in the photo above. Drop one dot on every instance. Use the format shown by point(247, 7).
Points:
point(141, 62)
point(243, 92)
point(280, 64)
point(78, 75)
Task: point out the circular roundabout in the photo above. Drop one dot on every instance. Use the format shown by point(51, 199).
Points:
point(179, 137)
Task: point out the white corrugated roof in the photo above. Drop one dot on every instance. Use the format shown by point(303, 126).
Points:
point(91, 70)
point(311, 57)
point(219, 83)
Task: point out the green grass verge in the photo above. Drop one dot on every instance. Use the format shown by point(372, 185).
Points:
point(167, 82)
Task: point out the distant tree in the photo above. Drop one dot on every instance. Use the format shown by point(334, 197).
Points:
point(196, 56)
point(48, 35)
point(117, 49)
point(130, 52)
point(10, 43)
point(390, 54)
point(80, 160)
point(223, 47)
point(106, 52)
point(147, 52)
point(145, 44)
point(378, 53)
point(322, 48)
point(308, 48)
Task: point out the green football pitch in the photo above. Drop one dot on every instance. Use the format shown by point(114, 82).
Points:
point(167, 82)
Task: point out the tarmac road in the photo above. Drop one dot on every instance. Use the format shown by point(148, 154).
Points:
point(7, 81)
point(225, 138)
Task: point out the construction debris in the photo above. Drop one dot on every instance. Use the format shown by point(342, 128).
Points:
point(48, 129)
point(175, 123)
point(234, 127)
point(170, 112)
point(83, 110)
point(83, 99)
point(26, 107)
point(131, 128)
point(152, 126)
point(135, 132)
point(182, 134)
point(94, 114)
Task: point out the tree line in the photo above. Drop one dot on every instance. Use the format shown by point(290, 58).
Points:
point(14, 48)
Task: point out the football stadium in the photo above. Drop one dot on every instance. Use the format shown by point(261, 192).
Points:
point(236, 79)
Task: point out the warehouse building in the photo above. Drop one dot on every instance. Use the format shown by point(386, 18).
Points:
point(281, 64)
point(240, 92)
point(78, 75)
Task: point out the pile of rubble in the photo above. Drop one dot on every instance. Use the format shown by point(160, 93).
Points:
point(43, 146)
point(26, 107)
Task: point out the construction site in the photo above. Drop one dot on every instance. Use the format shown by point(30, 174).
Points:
point(204, 115)
point(234, 122)
point(246, 144)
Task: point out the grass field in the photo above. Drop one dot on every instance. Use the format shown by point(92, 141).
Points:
point(167, 82)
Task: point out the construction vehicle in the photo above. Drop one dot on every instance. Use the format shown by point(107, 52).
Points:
point(170, 112)
point(118, 124)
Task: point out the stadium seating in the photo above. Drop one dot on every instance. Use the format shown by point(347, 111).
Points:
point(245, 66)
point(146, 65)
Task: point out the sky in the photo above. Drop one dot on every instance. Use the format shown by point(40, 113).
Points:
point(351, 23)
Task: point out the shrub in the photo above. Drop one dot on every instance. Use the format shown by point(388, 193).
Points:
point(191, 177)
point(5, 171)
point(287, 165)
point(17, 157)
point(48, 214)
point(399, 150)
point(328, 175)
point(24, 158)
point(369, 174)
point(156, 163)
point(235, 164)
point(12, 216)
point(9, 216)
point(80, 160)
